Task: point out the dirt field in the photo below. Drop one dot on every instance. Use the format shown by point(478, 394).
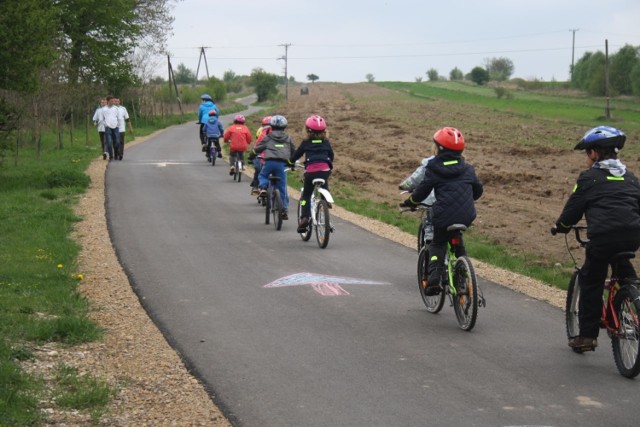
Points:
point(380, 136)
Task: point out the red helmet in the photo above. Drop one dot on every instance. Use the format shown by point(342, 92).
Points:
point(239, 118)
point(266, 120)
point(213, 113)
point(315, 123)
point(450, 138)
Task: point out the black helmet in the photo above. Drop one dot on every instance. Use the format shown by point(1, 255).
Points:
point(603, 137)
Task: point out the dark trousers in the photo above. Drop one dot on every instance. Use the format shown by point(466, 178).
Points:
point(215, 141)
point(121, 147)
point(438, 248)
point(307, 189)
point(592, 276)
point(112, 141)
point(101, 134)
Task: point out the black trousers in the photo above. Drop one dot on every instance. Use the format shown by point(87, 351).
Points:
point(592, 275)
point(307, 189)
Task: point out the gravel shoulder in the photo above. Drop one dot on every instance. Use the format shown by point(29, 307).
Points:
point(154, 386)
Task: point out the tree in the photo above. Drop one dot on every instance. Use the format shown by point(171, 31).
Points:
point(370, 78)
point(635, 80)
point(312, 78)
point(622, 63)
point(26, 24)
point(456, 74)
point(499, 69)
point(232, 81)
point(432, 74)
point(183, 75)
point(264, 83)
point(479, 76)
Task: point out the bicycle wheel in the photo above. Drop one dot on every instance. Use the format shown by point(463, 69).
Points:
point(267, 206)
point(276, 209)
point(434, 303)
point(465, 303)
point(237, 176)
point(420, 235)
point(323, 226)
point(625, 342)
point(307, 234)
point(572, 309)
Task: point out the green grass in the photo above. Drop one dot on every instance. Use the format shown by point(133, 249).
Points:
point(39, 276)
point(567, 108)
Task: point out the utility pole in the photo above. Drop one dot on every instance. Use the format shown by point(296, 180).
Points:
point(607, 108)
point(202, 55)
point(286, 78)
point(573, 49)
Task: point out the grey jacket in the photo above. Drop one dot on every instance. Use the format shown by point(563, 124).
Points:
point(276, 146)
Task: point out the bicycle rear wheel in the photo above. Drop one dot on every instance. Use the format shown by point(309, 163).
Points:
point(307, 234)
point(237, 176)
point(625, 342)
point(323, 226)
point(572, 308)
point(267, 206)
point(276, 208)
point(434, 303)
point(465, 303)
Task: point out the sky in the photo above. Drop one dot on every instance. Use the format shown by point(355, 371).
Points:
point(399, 40)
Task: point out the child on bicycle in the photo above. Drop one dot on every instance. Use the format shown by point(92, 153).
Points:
point(317, 164)
point(278, 148)
point(456, 187)
point(262, 131)
point(239, 137)
point(203, 115)
point(213, 129)
point(410, 184)
point(608, 196)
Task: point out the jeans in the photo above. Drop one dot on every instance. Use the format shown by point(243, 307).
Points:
point(276, 168)
point(112, 140)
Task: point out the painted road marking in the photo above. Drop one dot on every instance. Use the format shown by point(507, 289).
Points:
point(324, 285)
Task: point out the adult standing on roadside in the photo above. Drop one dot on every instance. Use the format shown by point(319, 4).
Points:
point(98, 121)
point(123, 119)
point(111, 131)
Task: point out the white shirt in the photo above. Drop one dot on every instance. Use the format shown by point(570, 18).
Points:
point(123, 115)
point(98, 118)
point(110, 114)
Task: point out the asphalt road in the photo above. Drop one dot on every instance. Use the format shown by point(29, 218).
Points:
point(358, 350)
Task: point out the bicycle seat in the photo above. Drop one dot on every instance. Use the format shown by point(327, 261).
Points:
point(318, 181)
point(623, 255)
point(456, 227)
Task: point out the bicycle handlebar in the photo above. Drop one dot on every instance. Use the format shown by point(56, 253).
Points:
point(577, 229)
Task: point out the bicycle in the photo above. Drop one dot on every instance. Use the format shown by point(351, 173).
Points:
point(238, 166)
point(272, 202)
point(620, 308)
point(320, 203)
point(458, 282)
point(213, 151)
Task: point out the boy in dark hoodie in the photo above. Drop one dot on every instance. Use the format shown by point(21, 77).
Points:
point(278, 148)
point(456, 189)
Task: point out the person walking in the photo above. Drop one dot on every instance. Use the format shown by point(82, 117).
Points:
point(111, 131)
point(123, 120)
point(98, 121)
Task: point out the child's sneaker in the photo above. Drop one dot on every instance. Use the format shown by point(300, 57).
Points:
point(285, 214)
point(583, 343)
point(254, 191)
point(232, 170)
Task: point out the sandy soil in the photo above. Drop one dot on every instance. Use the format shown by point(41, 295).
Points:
point(379, 138)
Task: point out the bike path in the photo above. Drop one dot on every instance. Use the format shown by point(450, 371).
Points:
point(197, 251)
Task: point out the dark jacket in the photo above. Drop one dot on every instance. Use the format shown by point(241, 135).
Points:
point(610, 204)
point(456, 188)
point(276, 146)
point(315, 151)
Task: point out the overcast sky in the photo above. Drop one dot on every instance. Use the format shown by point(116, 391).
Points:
point(344, 40)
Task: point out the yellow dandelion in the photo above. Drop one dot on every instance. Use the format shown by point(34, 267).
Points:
point(60, 265)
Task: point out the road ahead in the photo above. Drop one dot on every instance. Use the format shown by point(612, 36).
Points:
point(199, 255)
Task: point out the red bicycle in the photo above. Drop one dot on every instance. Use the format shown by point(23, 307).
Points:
point(620, 308)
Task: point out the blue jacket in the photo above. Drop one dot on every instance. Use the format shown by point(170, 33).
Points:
point(456, 186)
point(213, 128)
point(203, 111)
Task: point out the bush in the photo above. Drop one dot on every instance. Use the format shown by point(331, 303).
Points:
point(67, 178)
point(503, 92)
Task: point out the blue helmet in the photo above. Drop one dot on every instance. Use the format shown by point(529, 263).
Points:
point(603, 137)
point(278, 122)
point(206, 97)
